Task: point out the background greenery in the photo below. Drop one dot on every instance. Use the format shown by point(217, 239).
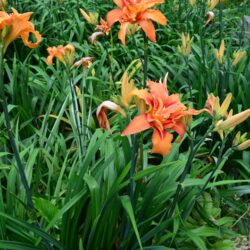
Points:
point(84, 201)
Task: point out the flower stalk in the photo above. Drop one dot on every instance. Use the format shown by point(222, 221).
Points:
point(11, 135)
point(193, 150)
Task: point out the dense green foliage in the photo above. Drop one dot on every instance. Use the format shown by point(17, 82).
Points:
point(91, 199)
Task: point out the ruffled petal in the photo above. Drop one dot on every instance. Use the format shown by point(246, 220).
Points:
point(161, 145)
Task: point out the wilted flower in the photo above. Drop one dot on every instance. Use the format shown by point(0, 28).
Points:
point(64, 54)
point(185, 48)
point(85, 62)
point(91, 17)
point(136, 11)
point(93, 37)
point(165, 113)
point(238, 56)
point(19, 26)
point(220, 53)
point(101, 113)
point(210, 17)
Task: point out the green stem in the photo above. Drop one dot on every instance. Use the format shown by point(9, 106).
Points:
point(185, 172)
point(11, 135)
point(188, 79)
point(145, 63)
point(76, 111)
point(220, 158)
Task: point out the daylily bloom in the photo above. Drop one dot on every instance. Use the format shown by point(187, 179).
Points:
point(104, 27)
point(165, 113)
point(101, 113)
point(91, 18)
point(238, 56)
point(20, 26)
point(220, 53)
point(64, 54)
point(136, 11)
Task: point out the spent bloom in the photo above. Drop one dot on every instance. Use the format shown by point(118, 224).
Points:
point(102, 116)
point(136, 12)
point(64, 54)
point(18, 25)
point(210, 17)
point(165, 113)
point(84, 61)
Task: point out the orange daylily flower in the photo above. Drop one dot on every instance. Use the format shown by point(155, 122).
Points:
point(20, 26)
point(165, 113)
point(136, 11)
point(103, 26)
point(64, 54)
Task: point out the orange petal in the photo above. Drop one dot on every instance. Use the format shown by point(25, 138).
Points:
point(151, 3)
point(156, 16)
point(119, 3)
point(122, 32)
point(161, 146)
point(158, 90)
point(137, 125)
point(25, 37)
point(113, 16)
point(210, 103)
point(179, 128)
point(149, 29)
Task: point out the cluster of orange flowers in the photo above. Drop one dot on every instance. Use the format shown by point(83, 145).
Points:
point(158, 110)
point(165, 114)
